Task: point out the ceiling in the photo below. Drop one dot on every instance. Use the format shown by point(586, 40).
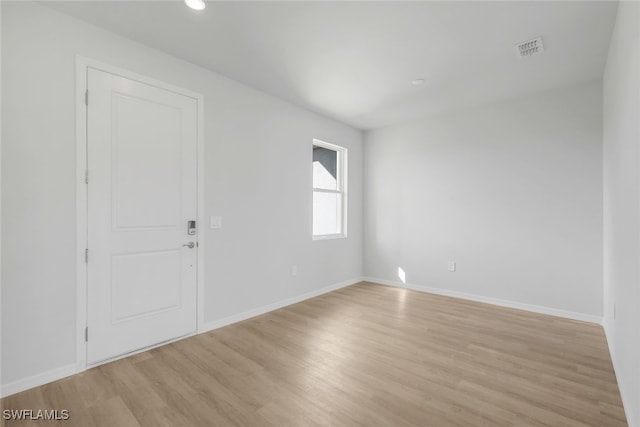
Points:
point(354, 61)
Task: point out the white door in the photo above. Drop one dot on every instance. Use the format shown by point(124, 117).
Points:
point(142, 154)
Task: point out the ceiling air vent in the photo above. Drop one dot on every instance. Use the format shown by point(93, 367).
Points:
point(529, 48)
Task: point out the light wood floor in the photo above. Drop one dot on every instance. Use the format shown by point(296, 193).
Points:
point(366, 355)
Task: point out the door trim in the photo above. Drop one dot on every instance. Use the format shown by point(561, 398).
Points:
point(82, 64)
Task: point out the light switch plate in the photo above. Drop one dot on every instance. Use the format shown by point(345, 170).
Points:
point(215, 222)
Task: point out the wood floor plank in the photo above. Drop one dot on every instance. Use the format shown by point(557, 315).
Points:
point(366, 355)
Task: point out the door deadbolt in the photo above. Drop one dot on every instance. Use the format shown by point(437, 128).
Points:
point(191, 228)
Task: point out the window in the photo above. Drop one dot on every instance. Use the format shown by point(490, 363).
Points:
point(329, 190)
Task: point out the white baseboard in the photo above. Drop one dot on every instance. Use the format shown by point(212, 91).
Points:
point(626, 402)
point(39, 379)
point(215, 324)
point(489, 300)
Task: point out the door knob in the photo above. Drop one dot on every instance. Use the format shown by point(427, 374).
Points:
point(189, 245)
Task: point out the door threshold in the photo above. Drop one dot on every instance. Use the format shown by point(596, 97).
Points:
point(140, 350)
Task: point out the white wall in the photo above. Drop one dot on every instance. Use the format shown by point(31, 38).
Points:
point(258, 177)
point(621, 205)
point(512, 192)
point(0, 192)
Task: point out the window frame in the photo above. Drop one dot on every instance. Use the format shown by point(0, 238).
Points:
point(341, 189)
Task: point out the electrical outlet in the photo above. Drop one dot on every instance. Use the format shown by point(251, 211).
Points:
point(294, 270)
point(452, 266)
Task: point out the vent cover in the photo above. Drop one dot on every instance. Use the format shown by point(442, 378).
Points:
point(529, 48)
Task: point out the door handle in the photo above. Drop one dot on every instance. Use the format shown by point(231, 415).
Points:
point(189, 245)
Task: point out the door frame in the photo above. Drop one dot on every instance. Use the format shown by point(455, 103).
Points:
point(82, 64)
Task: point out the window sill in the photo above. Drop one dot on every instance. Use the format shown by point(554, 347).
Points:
point(329, 237)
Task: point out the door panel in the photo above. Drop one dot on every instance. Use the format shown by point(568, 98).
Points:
point(141, 146)
point(130, 274)
point(143, 129)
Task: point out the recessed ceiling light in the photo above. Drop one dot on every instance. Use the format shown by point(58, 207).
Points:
point(196, 4)
point(418, 82)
